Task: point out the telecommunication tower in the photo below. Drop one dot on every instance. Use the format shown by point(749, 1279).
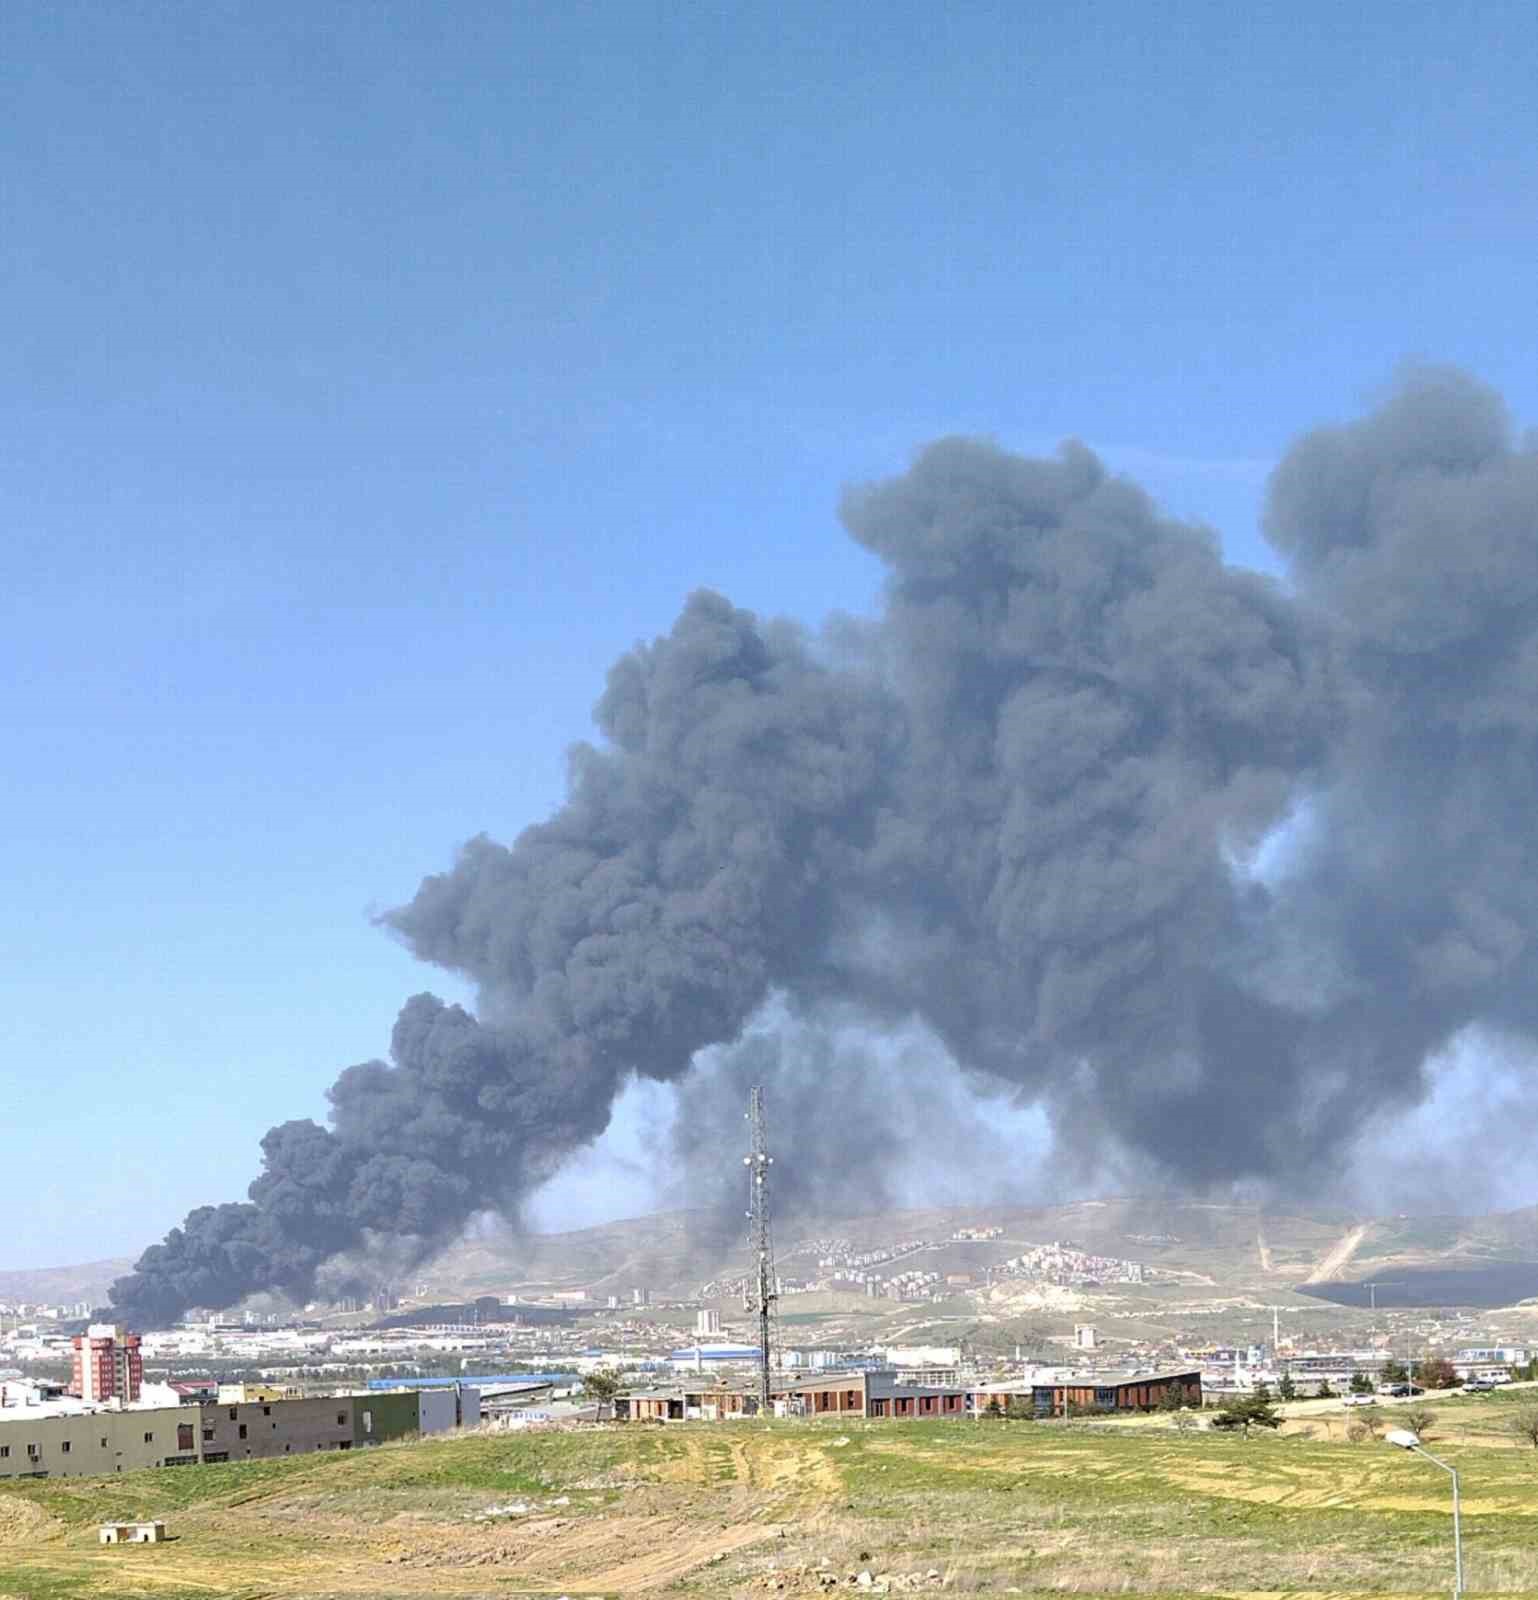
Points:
point(763, 1287)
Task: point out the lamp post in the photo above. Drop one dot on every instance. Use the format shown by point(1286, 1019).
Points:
point(1405, 1440)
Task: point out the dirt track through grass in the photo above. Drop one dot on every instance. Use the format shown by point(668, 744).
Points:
point(750, 1509)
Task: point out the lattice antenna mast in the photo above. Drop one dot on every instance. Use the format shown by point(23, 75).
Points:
point(762, 1284)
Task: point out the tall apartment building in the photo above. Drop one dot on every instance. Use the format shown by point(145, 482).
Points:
point(107, 1364)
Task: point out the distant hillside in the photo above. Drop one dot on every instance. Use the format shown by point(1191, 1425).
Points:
point(53, 1285)
point(1233, 1246)
point(1234, 1249)
point(1237, 1249)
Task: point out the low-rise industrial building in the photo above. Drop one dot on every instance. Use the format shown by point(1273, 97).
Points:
point(680, 1403)
point(95, 1443)
point(880, 1392)
point(886, 1394)
point(1062, 1396)
point(260, 1428)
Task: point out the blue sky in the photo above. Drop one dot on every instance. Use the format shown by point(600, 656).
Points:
point(375, 373)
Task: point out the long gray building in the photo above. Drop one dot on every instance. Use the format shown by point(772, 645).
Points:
point(53, 1444)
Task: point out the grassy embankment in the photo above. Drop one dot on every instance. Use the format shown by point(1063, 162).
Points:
point(748, 1509)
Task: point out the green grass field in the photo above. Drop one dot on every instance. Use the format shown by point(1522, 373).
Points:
point(750, 1509)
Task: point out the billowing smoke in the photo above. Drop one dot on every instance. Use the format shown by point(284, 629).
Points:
point(864, 1122)
point(1022, 811)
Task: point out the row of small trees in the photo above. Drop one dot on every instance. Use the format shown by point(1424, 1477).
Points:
point(1433, 1374)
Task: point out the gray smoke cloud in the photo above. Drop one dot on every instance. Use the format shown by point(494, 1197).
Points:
point(863, 1124)
point(1021, 810)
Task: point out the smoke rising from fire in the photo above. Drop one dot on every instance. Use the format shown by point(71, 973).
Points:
point(1016, 809)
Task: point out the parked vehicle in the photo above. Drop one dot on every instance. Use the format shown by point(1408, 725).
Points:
point(1359, 1400)
point(1403, 1391)
point(1479, 1386)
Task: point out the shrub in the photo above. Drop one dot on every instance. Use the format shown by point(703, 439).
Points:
point(1246, 1412)
point(1524, 1423)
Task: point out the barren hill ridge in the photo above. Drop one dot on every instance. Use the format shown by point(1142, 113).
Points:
point(1231, 1246)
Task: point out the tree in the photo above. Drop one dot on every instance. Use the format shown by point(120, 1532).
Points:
point(602, 1387)
point(1324, 1391)
point(1287, 1389)
point(993, 1408)
point(1524, 1423)
point(1438, 1374)
point(1418, 1419)
point(1361, 1383)
point(1246, 1412)
point(1263, 1392)
point(1393, 1372)
point(1171, 1397)
point(1019, 1410)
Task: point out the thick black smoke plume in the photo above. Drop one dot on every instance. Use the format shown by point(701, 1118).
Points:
point(1021, 809)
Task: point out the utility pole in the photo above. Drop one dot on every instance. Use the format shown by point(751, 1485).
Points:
point(762, 1287)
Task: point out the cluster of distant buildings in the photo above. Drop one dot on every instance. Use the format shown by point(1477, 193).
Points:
point(109, 1420)
point(1248, 1367)
point(1060, 1264)
point(891, 1394)
point(40, 1311)
point(842, 1266)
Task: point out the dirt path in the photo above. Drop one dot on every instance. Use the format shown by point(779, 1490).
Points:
point(1263, 1249)
point(1340, 1254)
point(675, 1556)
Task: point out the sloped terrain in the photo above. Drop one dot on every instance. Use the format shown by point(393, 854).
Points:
point(739, 1510)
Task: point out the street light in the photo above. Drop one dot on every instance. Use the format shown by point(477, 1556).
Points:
point(1411, 1441)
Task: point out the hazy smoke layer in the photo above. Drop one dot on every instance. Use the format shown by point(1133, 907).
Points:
point(860, 1124)
point(1016, 808)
